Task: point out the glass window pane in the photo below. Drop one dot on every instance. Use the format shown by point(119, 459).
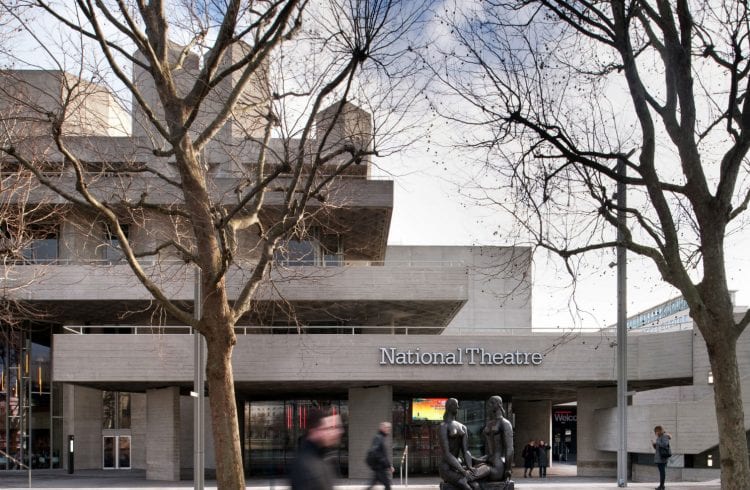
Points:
point(124, 414)
point(43, 245)
point(123, 452)
point(296, 253)
point(108, 452)
point(268, 436)
point(112, 251)
point(108, 409)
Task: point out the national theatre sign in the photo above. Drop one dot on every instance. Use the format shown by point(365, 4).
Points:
point(472, 356)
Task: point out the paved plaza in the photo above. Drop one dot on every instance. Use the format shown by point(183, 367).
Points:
point(562, 477)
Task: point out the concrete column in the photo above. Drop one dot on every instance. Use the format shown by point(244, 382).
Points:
point(367, 408)
point(533, 421)
point(138, 430)
point(590, 460)
point(186, 439)
point(82, 418)
point(163, 436)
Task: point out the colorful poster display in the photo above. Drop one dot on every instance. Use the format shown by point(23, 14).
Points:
point(428, 408)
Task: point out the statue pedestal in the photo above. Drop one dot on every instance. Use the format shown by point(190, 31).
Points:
point(489, 485)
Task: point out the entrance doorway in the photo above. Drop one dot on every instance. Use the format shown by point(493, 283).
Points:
point(116, 452)
point(564, 428)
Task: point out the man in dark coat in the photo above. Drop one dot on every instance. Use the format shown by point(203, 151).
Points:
point(311, 470)
point(379, 457)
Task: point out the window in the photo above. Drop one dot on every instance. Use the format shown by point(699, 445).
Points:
point(43, 243)
point(115, 433)
point(332, 250)
point(112, 251)
point(115, 410)
point(316, 249)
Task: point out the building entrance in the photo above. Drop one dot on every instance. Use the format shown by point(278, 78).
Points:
point(564, 427)
point(273, 429)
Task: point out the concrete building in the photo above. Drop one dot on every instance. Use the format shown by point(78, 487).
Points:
point(376, 332)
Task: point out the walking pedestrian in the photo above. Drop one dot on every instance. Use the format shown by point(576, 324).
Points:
point(379, 457)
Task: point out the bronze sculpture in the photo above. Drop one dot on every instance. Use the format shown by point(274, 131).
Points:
point(458, 468)
point(455, 466)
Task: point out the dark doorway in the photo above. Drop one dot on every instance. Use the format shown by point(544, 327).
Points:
point(564, 423)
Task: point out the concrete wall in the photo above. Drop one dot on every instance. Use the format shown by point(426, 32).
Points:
point(117, 282)
point(186, 438)
point(688, 413)
point(138, 430)
point(357, 359)
point(533, 421)
point(82, 418)
point(367, 408)
point(163, 438)
point(499, 284)
point(590, 460)
point(29, 94)
point(641, 473)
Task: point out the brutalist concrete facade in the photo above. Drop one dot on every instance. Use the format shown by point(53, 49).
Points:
point(402, 322)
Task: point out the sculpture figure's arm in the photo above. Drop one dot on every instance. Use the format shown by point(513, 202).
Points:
point(507, 435)
point(465, 448)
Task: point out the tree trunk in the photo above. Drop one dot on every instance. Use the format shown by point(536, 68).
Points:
point(722, 353)
point(229, 472)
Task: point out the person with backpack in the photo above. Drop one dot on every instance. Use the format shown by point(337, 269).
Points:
point(379, 457)
point(662, 453)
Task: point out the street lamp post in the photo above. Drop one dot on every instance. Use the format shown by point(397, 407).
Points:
point(199, 408)
point(622, 340)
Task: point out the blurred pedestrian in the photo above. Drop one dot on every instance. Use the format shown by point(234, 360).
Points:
point(379, 457)
point(312, 469)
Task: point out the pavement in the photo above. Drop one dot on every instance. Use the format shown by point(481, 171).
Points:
point(562, 477)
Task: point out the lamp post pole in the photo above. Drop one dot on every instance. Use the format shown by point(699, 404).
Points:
point(199, 408)
point(622, 340)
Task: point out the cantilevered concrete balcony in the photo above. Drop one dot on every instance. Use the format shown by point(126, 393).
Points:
point(355, 294)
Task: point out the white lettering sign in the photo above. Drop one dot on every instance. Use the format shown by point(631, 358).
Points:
point(471, 356)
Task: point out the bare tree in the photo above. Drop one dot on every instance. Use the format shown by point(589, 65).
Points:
point(231, 151)
point(559, 92)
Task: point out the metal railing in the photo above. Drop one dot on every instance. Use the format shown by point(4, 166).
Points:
point(320, 329)
point(291, 264)
point(403, 470)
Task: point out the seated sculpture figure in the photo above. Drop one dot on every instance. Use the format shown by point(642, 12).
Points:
point(455, 465)
point(458, 468)
point(498, 441)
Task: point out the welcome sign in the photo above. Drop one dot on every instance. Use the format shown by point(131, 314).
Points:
point(471, 356)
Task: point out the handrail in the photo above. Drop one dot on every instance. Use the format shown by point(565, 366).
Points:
point(404, 475)
point(14, 460)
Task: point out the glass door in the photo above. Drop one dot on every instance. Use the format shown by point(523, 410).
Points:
point(108, 453)
point(116, 452)
point(123, 452)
